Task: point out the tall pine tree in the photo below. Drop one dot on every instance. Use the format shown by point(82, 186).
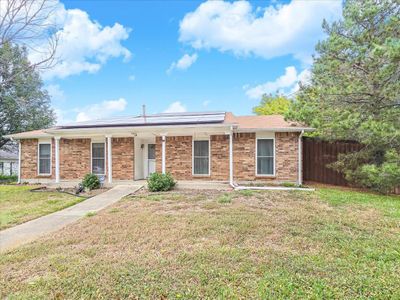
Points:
point(355, 91)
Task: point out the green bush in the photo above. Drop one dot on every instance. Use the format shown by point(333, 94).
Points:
point(382, 178)
point(158, 182)
point(8, 178)
point(91, 181)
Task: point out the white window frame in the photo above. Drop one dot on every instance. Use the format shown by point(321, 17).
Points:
point(274, 158)
point(51, 158)
point(209, 156)
point(91, 156)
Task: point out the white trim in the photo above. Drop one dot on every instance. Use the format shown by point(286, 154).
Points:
point(19, 161)
point(274, 158)
point(109, 158)
point(57, 157)
point(163, 141)
point(273, 188)
point(38, 158)
point(209, 156)
point(91, 156)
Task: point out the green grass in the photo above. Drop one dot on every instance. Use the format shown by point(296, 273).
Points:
point(389, 205)
point(225, 198)
point(266, 245)
point(18, 204)
point(90, 214)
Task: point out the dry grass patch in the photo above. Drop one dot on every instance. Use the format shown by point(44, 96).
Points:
point(268, 244)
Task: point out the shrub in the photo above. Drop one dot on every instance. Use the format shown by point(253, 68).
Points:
point(382, 178)
point(91, 181)
point(8, 178)
point(158, 182)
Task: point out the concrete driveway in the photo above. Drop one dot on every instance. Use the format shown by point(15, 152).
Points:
point(21, 234)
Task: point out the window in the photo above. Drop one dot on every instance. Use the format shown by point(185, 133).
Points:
point(201, 157)
point(265, 157)
point(151, 151)
point(45, 159)
point(1, 168)
point(98, 158)
point(11, 168)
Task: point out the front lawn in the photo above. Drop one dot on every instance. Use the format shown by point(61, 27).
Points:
point(203, 244)
point(18, 204)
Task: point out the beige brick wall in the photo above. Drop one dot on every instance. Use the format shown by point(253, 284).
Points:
point(123, 158)
point(178, 151)
point(286, 148)
point(74, 158)
point(29, 160)
point(286, 157)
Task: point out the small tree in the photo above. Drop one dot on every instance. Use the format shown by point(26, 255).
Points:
point(272, 105)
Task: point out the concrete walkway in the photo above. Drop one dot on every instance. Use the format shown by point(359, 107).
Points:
point(21, 234)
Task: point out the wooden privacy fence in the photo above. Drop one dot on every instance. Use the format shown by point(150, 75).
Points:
point(318, 154)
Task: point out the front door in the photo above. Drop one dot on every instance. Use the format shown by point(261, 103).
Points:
point(151, 158)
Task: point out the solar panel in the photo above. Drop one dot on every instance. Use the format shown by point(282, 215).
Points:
point(152, 120)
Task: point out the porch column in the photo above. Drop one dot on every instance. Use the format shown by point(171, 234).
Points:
point(57, 157)
point(19, 161)
point(163, 154)
point(109, 158)
point(231, 157)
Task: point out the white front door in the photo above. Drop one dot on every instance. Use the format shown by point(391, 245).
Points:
point(151, 158)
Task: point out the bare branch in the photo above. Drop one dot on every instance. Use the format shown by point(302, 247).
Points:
point(28, 23)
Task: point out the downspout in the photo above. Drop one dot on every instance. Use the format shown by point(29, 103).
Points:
point(300, 166)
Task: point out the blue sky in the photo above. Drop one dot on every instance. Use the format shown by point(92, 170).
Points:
point(180, 55)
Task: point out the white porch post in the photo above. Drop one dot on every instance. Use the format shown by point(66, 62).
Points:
point(109, 158)
point(231, 157)
point(57, 156)
point(19, 161)
point(163, 154)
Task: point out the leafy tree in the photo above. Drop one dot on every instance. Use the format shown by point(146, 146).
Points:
point(24, 104)
point(354, 92)
point(272, 105)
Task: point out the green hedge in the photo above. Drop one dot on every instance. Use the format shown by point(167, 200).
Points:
point(8, 178)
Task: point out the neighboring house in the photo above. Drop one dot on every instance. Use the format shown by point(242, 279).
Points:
point(213, 146)
point(8, 162)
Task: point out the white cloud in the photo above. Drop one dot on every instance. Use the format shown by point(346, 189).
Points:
point(206, 103)
point(55, 92)
point(101, 110)
point(183, 63)
point(84, 45)
point(175, 107)
point(237, 27)
point(286, 84)
point(132, 77)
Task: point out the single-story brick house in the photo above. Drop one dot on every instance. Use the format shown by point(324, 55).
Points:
point(212, 146)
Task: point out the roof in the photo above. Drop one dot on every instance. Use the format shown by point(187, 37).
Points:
point(222, 119)
point(263, 122)
point(8, 155)
point(30, 134)
point(152, 120)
